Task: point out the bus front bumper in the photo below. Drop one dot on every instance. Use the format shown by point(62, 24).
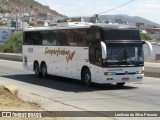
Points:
point(120, 78)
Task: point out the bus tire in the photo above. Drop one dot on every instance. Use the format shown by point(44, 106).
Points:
point(121, 84)
point(86, 77)
point(37, 70)
point(44, 70)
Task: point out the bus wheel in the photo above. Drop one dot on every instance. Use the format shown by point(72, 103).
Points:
point(37, 70)
point(44, 70)
point(121, 84)
point(87, 77)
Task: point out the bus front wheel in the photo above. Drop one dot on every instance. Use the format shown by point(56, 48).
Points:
point(44, 70)
point(86, 77)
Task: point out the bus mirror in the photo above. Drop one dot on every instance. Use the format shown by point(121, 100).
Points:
point(104, 50)
point(150, 49)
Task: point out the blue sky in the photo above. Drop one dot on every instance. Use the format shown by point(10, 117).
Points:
point(148, 9)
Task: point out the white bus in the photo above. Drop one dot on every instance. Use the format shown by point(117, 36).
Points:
point(99, 53)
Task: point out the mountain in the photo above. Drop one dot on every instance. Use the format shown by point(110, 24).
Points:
point(14, 6)
point(126, 18)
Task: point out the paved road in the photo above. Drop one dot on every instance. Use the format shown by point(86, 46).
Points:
point(149, 64)
point(143, 96)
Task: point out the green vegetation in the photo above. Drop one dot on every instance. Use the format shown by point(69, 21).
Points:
point(14, 44)
point(2, 10)
point(145, 36)
point(3, 23)
point(5, 1)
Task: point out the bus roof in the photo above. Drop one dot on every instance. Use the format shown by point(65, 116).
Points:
point(54, 28)
point(113, 26)
point(81, 26)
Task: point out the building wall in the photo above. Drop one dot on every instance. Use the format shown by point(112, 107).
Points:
point(155, 55)
point(155, 36)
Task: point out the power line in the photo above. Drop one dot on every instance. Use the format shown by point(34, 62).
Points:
point(117, 7)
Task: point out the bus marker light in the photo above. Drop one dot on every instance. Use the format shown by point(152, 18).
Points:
point(109, 73)
point(140, 72)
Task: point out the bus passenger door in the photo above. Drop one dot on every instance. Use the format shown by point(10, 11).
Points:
point(95, 54)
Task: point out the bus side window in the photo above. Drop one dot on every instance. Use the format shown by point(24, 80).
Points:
point(93, 36)
point(36, 38)
point(52, 38)
point(89, 37)
point(28, 39)
point(72, 39)
point(45, 42)
point(97, 36)
point(62, 38)
point(81, 37)
point(25, 38)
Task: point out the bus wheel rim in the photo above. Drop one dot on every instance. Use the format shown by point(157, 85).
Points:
point(36, 70)
point(44, 71)
point(87, 77)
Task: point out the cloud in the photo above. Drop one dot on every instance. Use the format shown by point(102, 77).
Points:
point(147, 9)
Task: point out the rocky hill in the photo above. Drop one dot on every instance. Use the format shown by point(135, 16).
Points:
point(14, 6)
point(129, 19)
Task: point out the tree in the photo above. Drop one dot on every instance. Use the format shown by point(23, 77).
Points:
point(14, 44)
point(145, 36)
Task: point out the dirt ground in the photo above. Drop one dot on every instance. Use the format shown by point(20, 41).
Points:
point(10, 102)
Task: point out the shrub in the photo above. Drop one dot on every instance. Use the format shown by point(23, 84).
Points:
point(14, 44)
point(145, 36)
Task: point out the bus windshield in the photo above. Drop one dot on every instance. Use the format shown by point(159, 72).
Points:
point(121, 35)
point(125, 54)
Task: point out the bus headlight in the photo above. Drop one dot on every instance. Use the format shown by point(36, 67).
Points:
point(140, 72)
point(109, 73)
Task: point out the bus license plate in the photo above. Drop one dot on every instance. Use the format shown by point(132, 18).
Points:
point(125, 79)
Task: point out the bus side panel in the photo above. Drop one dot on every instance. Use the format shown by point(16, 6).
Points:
point(70, 65)
point(27, 57)
point(75, 64)
point(35, 53)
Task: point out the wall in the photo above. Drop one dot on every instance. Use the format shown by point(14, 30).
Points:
point(155, 36)
point(156, 50)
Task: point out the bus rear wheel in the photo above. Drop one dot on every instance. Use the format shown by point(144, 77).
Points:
point(86, 77)
point(44, 70)
point(37, 70)
point(121, 84)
